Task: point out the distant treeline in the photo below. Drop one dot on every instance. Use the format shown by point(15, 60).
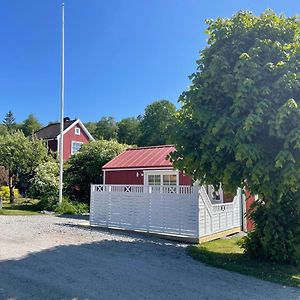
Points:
point(154, 127)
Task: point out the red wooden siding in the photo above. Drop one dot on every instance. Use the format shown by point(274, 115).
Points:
point(249, 201)
point(70, 136)
point(136, 177)
point(184, 179)
point(124, 177)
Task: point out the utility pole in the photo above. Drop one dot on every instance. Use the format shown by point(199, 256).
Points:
point(62, 104)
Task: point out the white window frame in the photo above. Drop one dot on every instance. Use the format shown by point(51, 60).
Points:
point(77, 130)
point(72, 143)
point(161, 173)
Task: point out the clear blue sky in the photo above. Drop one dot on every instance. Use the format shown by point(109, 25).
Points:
point(121, 55)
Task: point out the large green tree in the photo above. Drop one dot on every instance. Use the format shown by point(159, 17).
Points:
point(129, 131)
point(106, 128)
point(30, 125)
point(20, 156)
point(157, 123)
point(240, 123)
point(85, 167)
point(10, 121)
point(91, 127)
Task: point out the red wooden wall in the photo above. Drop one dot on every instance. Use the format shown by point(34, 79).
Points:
point(70, 136)
point(124, 177)
point(136, 177)
point(249, 201)
point(184, 179)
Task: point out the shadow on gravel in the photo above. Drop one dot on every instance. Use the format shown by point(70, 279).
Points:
point(128, 233)
point(116, 269)
point(100, 270)
point(75, 217)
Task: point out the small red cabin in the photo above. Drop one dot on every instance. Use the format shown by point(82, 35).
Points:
point(150, 166)
point(144, 166)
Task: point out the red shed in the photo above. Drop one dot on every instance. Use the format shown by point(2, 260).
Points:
point(144, 166)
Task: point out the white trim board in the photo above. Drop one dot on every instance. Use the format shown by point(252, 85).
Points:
point(81, 125)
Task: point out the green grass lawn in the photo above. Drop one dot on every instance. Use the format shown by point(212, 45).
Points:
point(23, 206)
point(227, 254)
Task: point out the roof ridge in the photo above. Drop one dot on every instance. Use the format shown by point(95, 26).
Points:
point(56, 123)
point(150, 147)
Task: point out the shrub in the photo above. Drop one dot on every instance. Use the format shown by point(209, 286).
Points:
point(4, 192)
point(44, 185)
point(68, 207)
point(85, 167)
point(48, 202)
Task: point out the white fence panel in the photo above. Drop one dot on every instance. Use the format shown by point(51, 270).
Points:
point(159, 209)
point(216, 218)
point(180, 210)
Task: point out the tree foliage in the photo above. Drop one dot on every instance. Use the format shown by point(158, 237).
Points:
point(20, 156)
point(85, 167)
point(10, 121)
point(3, 129)
point(91, 127)
point(106, 128)
point(157, 123)
point(240, 123)
point(129, 131)
point(30, 125)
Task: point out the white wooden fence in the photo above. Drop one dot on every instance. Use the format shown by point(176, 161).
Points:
point(182, 211)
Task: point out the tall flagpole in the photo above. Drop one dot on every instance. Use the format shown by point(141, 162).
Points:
point(62, 104)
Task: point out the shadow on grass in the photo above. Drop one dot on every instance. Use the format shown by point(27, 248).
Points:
point(243, 264)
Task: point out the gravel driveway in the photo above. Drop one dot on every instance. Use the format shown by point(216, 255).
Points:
point(47, 257)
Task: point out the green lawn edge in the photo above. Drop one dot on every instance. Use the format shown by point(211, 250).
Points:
point(227, 254)
point(22, 207)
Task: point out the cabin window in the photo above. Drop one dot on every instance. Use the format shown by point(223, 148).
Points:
point(162, 178)
point(77, 130)
point(169, 179)
point(76, 147)
point(154, 180)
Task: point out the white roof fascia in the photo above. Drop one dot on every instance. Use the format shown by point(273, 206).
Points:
point(73, 125)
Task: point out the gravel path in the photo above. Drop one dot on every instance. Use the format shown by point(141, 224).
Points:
point(47, 257)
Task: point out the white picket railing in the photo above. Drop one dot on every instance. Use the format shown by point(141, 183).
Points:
point(214, 218)
point(184, 211)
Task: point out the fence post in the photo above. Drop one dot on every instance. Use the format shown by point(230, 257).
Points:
point(199, 214)
point(91, 204)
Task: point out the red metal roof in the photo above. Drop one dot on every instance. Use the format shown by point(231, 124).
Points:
point(142, 157)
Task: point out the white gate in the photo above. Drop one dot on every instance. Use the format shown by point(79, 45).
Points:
point(182, 211)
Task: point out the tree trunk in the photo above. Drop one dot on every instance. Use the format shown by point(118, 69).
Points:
point(11, 188)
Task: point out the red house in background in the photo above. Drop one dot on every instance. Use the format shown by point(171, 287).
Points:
point(75, 134)
point(144, 166)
